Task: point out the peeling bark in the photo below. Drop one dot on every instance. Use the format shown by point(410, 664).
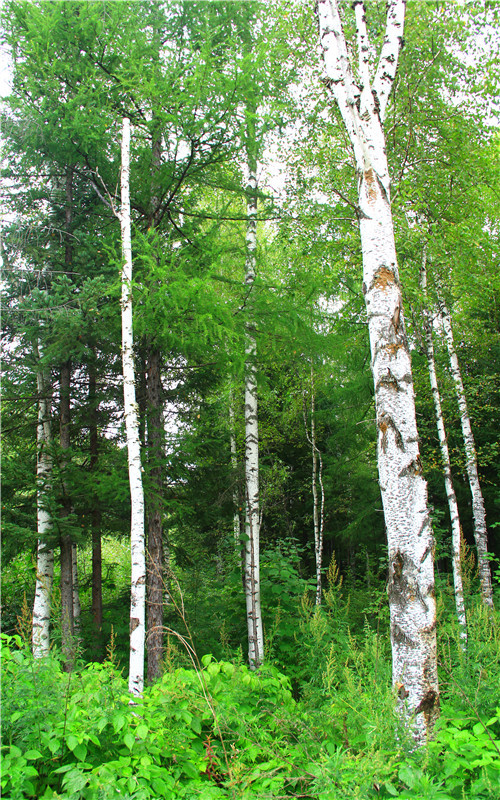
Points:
point(404, 491)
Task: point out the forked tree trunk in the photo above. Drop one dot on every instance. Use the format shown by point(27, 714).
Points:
point(404, 491)
point(137, 549)
point(317, 477)
point(252, 506)
point(478, 510)
point(456, 533)
point(45, 555)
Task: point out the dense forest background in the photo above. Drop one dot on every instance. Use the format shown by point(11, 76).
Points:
point(215, 92)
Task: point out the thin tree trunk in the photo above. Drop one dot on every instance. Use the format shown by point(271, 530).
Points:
point(234, 468)
point(137, 549)
point(317, 477)
point(478, 510)
point(156, 451)
point(77, 609)
point(252, 515)
point(96, 512)
point(45, 555)
point(155, 438)
point(403, 488)
point(456, 533)
point(67, 618)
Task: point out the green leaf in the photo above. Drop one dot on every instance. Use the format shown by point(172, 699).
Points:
point(80, 751)
point(71, 741)
point(142, 731)
point(129, 740)
point(118, 722)
point(33, 755)
point(196, 725)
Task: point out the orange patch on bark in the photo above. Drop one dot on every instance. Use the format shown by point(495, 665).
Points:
point(383, 278)
point(392, 349)
point(371, 184)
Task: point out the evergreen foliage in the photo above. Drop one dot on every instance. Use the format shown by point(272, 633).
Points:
point(196, 79)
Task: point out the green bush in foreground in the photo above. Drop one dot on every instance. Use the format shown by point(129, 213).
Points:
point(225, 732)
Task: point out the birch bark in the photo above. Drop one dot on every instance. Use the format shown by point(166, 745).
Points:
point(252, 515)
point(456, 533)
point(45, 555)
point(137, 549)
point(317, 476)
point(478, 510)
point(363, 106)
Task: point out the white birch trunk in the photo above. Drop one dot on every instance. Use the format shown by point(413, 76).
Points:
point(137, 543)
point(252, 515)
point(403, 488)
point(456, 533)
point(317, 476)
point(45, 556)
point(478, 511)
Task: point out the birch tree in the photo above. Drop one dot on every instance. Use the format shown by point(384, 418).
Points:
point(362, 103)
point(45, 554)
point(252, 505)
point(456, 532)
point(316, 477)
point(478, 510)
point(137, 548)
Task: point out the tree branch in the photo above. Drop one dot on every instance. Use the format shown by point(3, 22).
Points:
point(389, 55)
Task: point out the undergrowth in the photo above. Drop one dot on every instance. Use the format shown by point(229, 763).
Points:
point(222, 731)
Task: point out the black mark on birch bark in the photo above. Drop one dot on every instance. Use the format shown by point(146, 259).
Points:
point(134, 623)
point(385, 423)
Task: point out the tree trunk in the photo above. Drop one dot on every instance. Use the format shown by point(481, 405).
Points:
point(317, 477)
point(67, 618)
point(478, 511)
point(403, 488)
point(156, 454)
point(456, 533)
point(45, 555)
point(156, 434)
point(234, 468)
point(137, 549)
point(252, 514)
point(95, 520)
point(77, 609)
